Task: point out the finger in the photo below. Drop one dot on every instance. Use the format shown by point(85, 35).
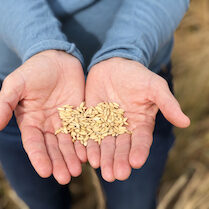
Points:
point(107, 158)
point(67, 149)
point(122, 168)
point(34, 145)
point(60, 170)
point(10, 95)
point(141, 140)
point(170, 107)
point(80, 151)
point(93, 153)
point(93, 148)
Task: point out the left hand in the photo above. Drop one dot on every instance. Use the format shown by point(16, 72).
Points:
point(141, 93)
point(34, 91)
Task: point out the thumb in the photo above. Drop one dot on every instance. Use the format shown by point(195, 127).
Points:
point(10, 95)
point(169, 106)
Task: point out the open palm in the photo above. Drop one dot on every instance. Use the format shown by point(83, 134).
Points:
point(46, 81)
point(141, 93)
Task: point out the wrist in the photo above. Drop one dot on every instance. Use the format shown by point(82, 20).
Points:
point(56, 55)
point(116, 62)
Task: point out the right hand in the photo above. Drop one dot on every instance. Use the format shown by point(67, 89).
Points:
point(46, 81)
point(141, 93)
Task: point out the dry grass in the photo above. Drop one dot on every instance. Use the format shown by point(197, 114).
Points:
point(185, 184)
point(8, 198)
point(191, 152)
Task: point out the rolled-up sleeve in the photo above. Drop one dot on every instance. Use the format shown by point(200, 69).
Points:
point(29, 27)
point(140, 29)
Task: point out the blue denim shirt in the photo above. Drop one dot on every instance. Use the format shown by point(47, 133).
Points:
point(141, 30)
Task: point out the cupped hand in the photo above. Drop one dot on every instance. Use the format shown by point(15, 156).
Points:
point(46, 81)
point(141, 93)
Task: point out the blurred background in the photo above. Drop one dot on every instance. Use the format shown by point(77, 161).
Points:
point(185, 184)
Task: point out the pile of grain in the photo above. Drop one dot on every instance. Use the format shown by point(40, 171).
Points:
point(106, 119)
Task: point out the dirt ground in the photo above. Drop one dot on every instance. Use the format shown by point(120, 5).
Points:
point(185, 184)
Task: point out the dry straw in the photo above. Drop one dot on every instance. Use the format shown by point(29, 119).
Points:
point(106, 119)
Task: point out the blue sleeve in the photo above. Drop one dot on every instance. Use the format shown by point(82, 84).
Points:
point(29, 27)
point(140, 29)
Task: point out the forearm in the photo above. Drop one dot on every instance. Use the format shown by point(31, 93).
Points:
point(29, 27)
point(141, 28)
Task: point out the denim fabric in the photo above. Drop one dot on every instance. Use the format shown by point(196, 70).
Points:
point(38, 193)
point(139, 30)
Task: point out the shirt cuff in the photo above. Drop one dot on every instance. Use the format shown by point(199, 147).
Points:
point(126, 51)
point(70, 48)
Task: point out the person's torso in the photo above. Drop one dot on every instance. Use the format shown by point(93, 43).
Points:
point(85, 22)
